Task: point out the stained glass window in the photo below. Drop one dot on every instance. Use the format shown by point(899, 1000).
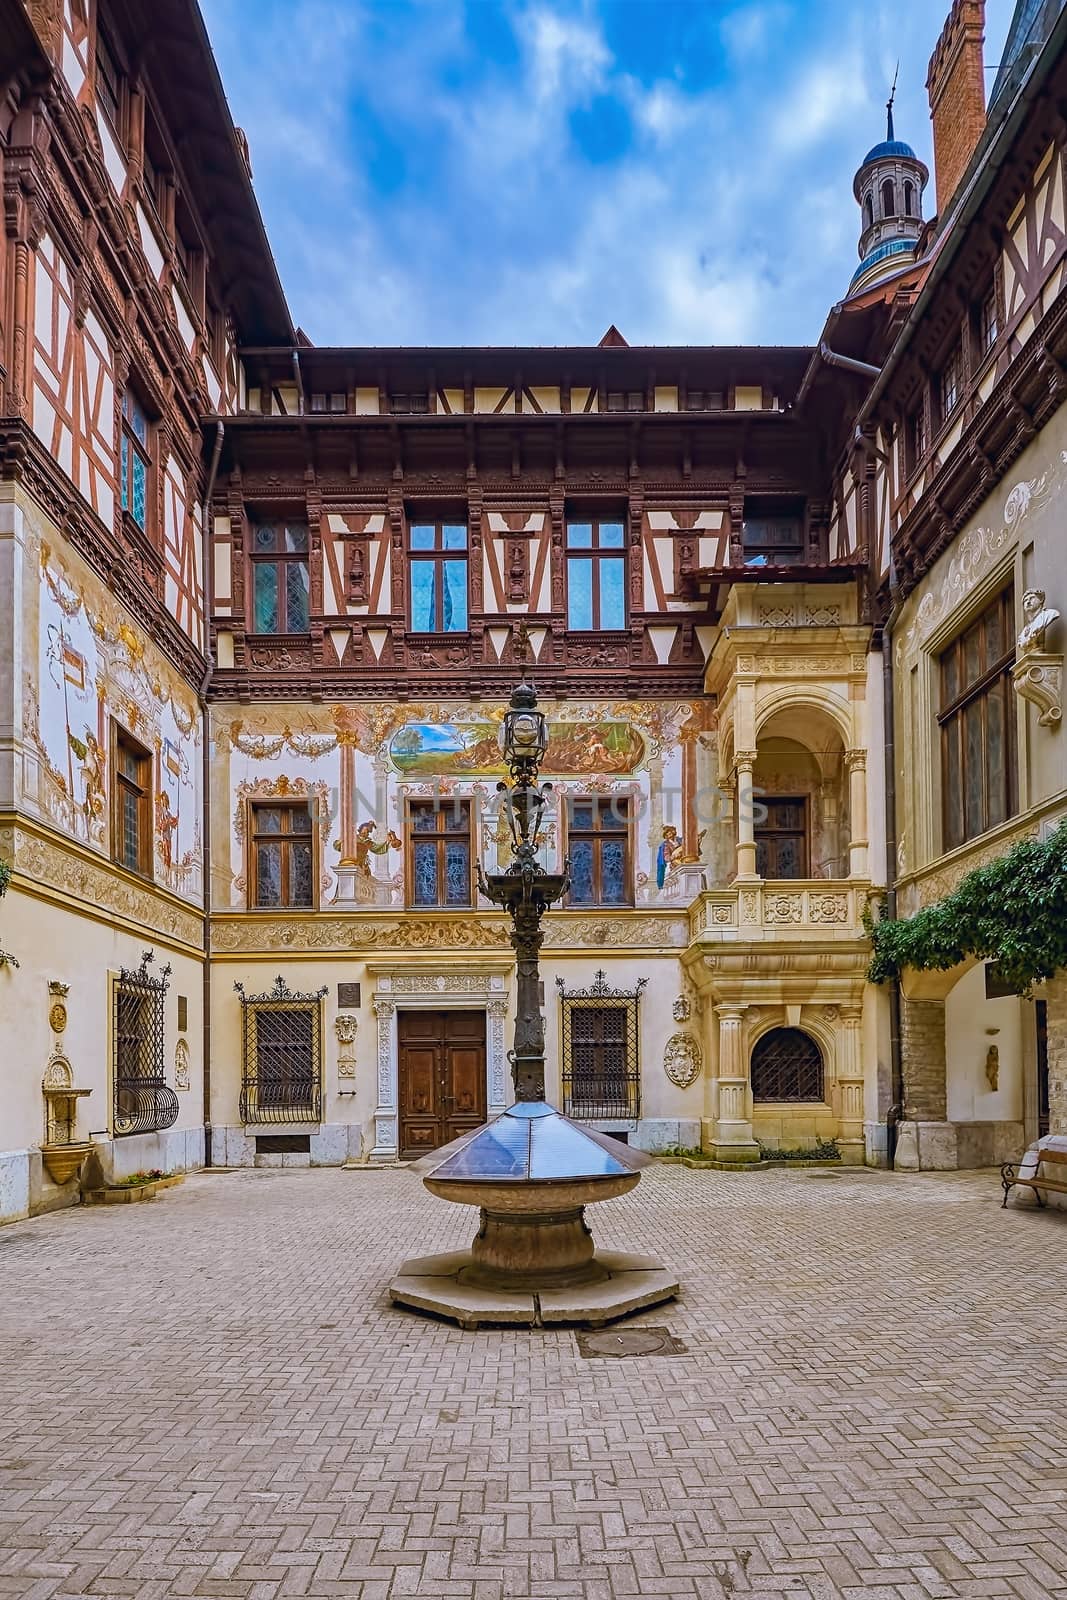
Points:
point(282, 854)
point(438, 565)
point(598, 844)
point(281, 578)
point(439, 852)
point(136, 460)
point(596, 575)
point(979, 777)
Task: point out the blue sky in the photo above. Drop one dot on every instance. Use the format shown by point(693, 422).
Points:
point(529, 171)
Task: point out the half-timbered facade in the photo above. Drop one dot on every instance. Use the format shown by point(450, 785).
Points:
point(270, 601)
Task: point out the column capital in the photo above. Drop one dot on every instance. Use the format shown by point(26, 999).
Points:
point(856, 760)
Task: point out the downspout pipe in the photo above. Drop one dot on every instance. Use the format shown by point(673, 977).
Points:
point(299, 376)
point(895, 1112)
point(207, 528)
point(823, 353)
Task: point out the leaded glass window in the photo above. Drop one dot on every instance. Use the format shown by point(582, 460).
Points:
point(439, 852)
point(281, 581)
point(596, 574)
point(979, 768)
point(438, 564)
point(135, 460)
point(283, 853)
point(131, 816)
point(598, 845)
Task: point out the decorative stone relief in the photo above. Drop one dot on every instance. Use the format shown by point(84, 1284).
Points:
point(782, 909)
point(497, 1010)
point(682, 1008)
point(777, 616)
point(822, 616)
point(828, 908)
point(57, 1011)
point(181, 1065)
point(99, 886)
point(344, 1026)
point(1039, 679)
point(617, 933)
point(357, 933)
point(681, 1060)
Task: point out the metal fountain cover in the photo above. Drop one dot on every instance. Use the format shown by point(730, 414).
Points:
point(531, 1142)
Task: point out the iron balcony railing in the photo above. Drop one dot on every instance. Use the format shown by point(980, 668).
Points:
point(601, 1051)
point(281, 1076)
point(143, 1100)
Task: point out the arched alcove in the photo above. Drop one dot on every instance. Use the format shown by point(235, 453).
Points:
point(787, 1068)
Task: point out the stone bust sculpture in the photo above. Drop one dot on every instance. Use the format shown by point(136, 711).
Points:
point(1039, 618)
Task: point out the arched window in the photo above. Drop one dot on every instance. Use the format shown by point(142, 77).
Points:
point(889, 204)
point(909, 199)
point(868, 212)
point(786, 1065)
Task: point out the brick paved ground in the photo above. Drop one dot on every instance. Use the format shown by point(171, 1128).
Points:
point(208, 1395)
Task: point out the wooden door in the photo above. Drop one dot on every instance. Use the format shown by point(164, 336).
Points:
point(441, 1072)
point(782, 839)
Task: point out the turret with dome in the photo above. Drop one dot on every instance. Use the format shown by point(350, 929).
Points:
point(889, 190)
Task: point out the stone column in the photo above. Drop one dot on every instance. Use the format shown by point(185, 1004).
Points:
point(850, 1087)
point(385, 1115)
point(744, 763)
point(926, 1139)
point(856, 764)
point(733, 1139)
point(1056, 1002)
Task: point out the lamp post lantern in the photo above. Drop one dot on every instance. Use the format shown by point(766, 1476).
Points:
point(531, 1171)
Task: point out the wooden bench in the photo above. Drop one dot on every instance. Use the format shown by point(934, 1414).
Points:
point(1009, 1175)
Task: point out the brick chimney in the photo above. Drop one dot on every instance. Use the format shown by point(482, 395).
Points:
point(956, 86)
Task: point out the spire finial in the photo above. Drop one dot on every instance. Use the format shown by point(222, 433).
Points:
point(889, 106)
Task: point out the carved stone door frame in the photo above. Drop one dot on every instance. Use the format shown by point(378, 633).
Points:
point(483, 988)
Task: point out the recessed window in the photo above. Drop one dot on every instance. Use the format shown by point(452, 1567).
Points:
point(599, 848)
point(909, 198)
point(438, 565)
point(772, 534)
point(439, 852)
point(626, 400)
point(951, 382)
point(703, 399)
point(334, 403)
point(596, 574)
point(131, 821)
point(868, 211)
point(136, 463)
point(416, 402)
point(143, 1101)
point(979, 779)
point(282, 867)
point(109, 86)
point(782, 838)
point(281, 581)
point(787, 1066)
point(889, 202)
point(916, 436)
point(989, 321)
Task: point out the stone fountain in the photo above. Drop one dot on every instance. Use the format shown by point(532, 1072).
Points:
point(531, 1171)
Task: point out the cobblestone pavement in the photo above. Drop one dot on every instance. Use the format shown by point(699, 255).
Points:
point(208, 1395)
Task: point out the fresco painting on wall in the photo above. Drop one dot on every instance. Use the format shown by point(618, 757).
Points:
point(453, 749)
point(93, 669)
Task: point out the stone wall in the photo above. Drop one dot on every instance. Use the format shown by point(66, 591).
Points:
point(922, 1037)
point(1056, 997)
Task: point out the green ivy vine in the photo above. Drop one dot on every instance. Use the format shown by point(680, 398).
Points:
point(1012, 912)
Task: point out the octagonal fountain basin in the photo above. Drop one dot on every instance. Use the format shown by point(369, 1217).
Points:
point(532, 1172)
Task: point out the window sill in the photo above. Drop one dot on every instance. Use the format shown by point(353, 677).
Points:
point(141, 538)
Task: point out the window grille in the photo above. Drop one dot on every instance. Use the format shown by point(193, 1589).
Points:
point(601, 1056)
point(143, 1101)
point(787, 1065)
point(281, 1077)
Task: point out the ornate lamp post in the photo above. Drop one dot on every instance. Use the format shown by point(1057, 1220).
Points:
point(532, 1171)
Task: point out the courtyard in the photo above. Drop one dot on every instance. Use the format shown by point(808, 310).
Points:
point(208, 1395)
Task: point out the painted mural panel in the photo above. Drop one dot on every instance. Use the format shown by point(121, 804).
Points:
point(360, 768)
point(89, 671)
